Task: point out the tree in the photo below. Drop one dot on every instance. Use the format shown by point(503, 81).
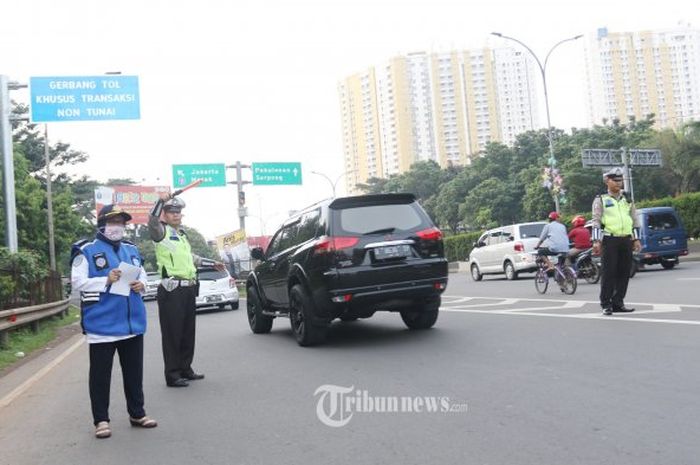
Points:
point(681, 153)
point(30, 140)
point(491, 202)
point(373, 186)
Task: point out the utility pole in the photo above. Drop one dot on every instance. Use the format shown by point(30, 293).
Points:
point(8, 165)
point(49, 199)
point(242, 210)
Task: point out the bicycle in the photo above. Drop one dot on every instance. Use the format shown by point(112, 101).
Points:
point(564, 275)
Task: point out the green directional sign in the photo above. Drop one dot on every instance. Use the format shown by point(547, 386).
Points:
point(211, 174)
point(275, 174)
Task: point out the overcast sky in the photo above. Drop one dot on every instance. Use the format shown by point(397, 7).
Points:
point(256, 80)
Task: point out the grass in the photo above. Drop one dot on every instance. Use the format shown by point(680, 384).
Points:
point(24, 340)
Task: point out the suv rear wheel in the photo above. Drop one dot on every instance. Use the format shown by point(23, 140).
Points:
point(300, 313)
point(422, 316)
point(258, 322)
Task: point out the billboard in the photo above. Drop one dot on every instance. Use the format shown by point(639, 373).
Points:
point(135, 200)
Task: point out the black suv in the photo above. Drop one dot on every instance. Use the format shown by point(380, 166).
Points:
point(347, 258)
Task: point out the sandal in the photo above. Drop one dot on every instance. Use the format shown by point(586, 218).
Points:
point(143, 422)
point(102, 430)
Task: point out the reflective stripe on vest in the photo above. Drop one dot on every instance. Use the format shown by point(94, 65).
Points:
point(175, 255)
point(616, 218)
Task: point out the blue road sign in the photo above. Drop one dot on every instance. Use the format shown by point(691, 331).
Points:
point(84, 98)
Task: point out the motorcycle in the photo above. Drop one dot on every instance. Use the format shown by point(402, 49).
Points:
point(587, 267)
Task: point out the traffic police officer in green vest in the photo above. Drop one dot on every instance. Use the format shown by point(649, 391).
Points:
point(177, 291)
point(615, 236)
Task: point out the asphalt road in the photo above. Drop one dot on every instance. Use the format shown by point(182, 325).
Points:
point(531, 379)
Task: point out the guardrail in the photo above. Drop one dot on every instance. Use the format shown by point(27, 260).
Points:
point(32, 315)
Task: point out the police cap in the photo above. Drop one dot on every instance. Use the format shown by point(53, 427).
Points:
point(615, 173)
point(174, 205)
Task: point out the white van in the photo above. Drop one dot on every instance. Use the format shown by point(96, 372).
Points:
point(507, 249)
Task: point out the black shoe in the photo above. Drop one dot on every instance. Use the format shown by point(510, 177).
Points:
point(180, 382)
point(193, 376)
point(607, 311)
point(622, 309)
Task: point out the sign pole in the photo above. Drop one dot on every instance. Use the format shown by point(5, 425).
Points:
point(627, 157)
point(49, 199)
point(241, 198)
point(8, 166)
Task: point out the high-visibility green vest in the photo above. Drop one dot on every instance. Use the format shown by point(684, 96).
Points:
point(175, 255)
point(616, 218)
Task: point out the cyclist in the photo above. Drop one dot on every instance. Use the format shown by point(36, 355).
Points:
point(580, 236)
point(554, 237)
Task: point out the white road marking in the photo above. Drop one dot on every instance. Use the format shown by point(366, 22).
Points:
point(598, 316)
point(494, 304)
point(567, 304)
point(527, 299)
point(19, 390)
point(570, 304)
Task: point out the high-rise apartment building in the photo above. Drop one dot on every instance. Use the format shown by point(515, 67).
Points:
point(638, 73)
point(433, 106)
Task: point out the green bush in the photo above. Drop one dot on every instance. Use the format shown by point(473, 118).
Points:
point(457, 247)
point(19, 273)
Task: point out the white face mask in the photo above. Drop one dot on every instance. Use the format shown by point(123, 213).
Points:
point(114, 232)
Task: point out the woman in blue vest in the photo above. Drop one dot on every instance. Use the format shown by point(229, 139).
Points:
point(110, 321)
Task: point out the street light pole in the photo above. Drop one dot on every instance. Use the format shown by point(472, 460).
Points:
point(333, 184)
point(543, 71)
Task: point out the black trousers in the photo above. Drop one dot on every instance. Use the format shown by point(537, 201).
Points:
point(177, 314)
point(131, 360)
point(616, 258)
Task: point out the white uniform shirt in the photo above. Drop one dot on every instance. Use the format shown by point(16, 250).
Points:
point(80, 281)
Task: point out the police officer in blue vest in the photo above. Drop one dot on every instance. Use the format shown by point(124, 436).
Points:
point(615, 236)
point(110, 321)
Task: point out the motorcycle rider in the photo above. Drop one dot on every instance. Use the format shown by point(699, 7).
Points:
point(554, 237)
point(581, 238)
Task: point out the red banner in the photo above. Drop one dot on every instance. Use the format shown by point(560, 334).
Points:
point(135, 200)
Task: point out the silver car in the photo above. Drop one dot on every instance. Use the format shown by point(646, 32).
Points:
point(216, 289)
point(507, 250)
point(152, 283)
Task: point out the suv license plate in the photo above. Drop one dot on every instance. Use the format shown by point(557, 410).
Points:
point(394, 251)
point(667, 242)
point(214, 298)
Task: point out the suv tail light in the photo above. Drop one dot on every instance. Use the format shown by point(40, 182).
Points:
point(519, 247)
point(327, 244)
point(231, 282)
point(430, 234)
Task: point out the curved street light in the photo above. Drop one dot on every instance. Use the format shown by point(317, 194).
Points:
point(543, 69)
point(333, 184)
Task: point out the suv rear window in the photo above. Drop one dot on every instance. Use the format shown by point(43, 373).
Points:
point(212, 275)
point(531, 230)
point(364, 219)
point(661, 221)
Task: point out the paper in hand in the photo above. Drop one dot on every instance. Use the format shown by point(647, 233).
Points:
point(130, 273)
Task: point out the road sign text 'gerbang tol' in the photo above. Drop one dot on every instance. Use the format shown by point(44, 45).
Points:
point(87, 98)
